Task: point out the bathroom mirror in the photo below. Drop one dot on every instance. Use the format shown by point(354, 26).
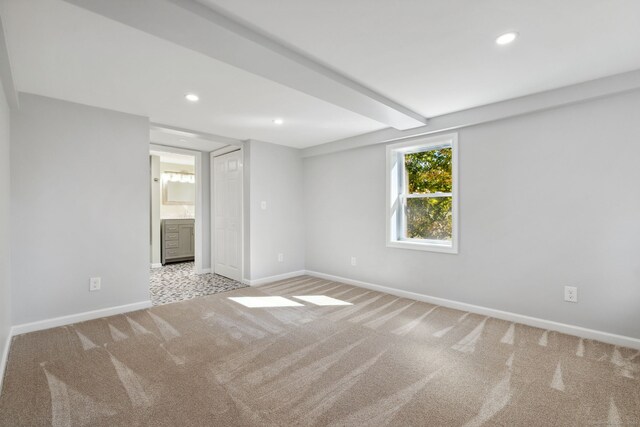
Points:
point(178, 188)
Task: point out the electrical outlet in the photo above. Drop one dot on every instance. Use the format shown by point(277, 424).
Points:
point(571, 294)
point(94, 284)
point(353, 261)
point(280, 257)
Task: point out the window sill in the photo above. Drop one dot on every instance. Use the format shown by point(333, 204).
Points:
point(429, 247)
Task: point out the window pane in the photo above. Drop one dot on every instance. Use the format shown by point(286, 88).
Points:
point(429, 218)
point(429, 171)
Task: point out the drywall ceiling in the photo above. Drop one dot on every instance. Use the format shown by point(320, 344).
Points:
point(436, 56)
point(422, 57)
point(63, 51)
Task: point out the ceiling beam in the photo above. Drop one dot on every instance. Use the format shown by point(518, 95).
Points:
point(581, 92)
point(219, 36)
point(174, 130)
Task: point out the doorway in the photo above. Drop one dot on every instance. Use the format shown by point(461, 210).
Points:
point(175, 207)
point(179, 184)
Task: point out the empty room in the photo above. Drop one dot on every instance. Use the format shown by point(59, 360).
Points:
point(319, 213)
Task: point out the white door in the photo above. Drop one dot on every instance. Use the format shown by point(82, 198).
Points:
point(227, 204)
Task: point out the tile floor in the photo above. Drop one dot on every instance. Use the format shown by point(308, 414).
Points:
point(179, 281)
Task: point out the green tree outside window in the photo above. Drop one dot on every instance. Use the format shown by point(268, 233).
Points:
point(429, 172)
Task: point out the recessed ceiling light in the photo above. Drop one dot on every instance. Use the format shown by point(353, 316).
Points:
point(192, 97)
point(506, 38)
point(278, 121)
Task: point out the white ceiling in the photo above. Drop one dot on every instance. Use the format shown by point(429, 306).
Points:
point(430, 56)
point(62, 51)
point(437, 56)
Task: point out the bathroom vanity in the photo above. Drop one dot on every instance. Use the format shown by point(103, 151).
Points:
point(178, 240)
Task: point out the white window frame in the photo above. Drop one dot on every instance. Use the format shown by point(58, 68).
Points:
point(395, 197)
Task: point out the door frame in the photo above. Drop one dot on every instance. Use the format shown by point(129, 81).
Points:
point(212, 155)
point(199, 193)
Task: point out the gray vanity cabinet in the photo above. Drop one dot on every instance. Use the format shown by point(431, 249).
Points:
point(178, 240)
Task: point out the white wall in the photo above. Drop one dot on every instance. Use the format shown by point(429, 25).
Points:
point(276, 178)
point(5, 229)
point(546, 200)
point(80, 208)
point(155, 201)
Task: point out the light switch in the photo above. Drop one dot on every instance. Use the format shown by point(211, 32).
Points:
point(263, 205)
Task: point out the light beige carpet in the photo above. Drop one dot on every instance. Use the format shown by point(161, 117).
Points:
point(381, 361)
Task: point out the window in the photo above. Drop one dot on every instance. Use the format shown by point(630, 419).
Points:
point(422, 184)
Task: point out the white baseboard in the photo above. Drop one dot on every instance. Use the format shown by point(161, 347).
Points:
point(75, 318)
point(578, 331)
point(265, 280)
point(5, 357)
point(205, 270)
point(154, 265)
